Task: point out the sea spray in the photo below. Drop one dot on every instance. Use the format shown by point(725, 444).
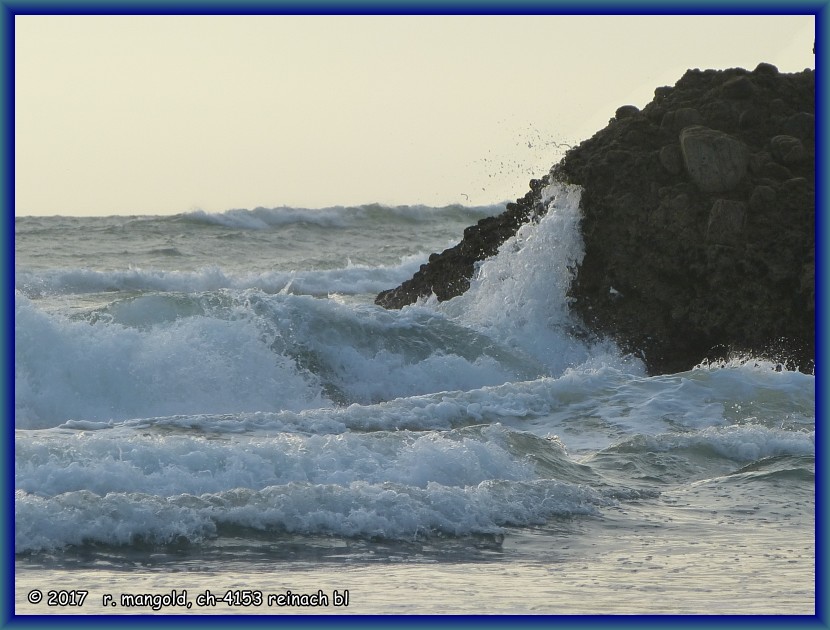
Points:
point(202, 397)
point(67, 369)
point(520, 296)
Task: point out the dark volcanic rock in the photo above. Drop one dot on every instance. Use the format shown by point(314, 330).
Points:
point(715, 161)
point(448, 274)
point(698, 210)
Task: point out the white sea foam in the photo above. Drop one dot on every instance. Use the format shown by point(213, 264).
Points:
point(123, 461)
point(589, 409)
point(70, 369)
point(387, 510)
point(743, 443)
point(349, 279)
point(339, 216)
point(115, 485)
point(162, 406)
point(162, 355)
point(520, 296)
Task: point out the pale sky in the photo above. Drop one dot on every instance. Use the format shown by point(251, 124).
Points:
point(166, 114)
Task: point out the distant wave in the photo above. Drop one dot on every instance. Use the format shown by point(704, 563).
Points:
point(262, 218)
point(349, 280)
point(338, 216)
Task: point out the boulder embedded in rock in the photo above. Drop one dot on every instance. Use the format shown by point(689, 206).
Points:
point(738, 88)
point(715, 161)
point(787, 150)
point(626, 111)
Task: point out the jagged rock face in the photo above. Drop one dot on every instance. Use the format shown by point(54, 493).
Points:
point(698, 223)
point(706, 229)
point(448, 274)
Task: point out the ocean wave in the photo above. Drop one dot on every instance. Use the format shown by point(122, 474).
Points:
point(118, 460)
point(384, 510)
point(130, 486)
point(350, 279)
point(221, 352)
point(237, 360)
point(338, 216)
point(74, 369)
point(741, 443)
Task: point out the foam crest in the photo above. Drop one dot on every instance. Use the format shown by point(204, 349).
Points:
point(359, 509)
point(349, 279)
point(543, 399)
point(72, 369)
point(117, 461)
point(264, 218)
point(608, 405)
point(76, 518)
point(712, 397)
point(233, 352)
point(743, 443)
point(339, 216)
point(521, 295)
point(366, 354)
point(161, 488)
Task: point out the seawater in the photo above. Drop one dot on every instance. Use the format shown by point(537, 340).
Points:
point(211, 404)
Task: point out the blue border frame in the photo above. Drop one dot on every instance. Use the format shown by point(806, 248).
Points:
point(7, 317)
point(9, 8)
point(822, 174)
point(410, 7)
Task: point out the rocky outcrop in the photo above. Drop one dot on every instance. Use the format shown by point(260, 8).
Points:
point(448, 274)
point(698, 222)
